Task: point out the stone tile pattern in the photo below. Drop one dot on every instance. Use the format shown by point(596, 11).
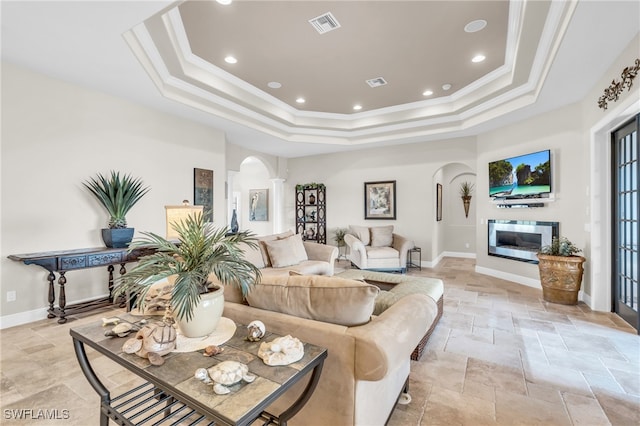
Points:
point(499, 356)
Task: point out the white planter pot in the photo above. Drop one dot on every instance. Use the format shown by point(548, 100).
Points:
point(205, 316)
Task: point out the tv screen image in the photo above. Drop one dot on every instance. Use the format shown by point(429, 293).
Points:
point(523, 176)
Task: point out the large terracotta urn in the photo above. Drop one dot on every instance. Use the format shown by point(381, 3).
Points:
point(206, 315)
point(560, 277)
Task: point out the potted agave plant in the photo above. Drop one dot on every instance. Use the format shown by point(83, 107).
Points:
point(201, 255)
point(561, 271)
point(117, 194)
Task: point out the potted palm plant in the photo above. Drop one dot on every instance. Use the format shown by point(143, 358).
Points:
point(201, 250)
point(561, 271)
point(466, 188)
point(117, 194)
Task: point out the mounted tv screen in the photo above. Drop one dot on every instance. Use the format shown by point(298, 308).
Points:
point(521, 177)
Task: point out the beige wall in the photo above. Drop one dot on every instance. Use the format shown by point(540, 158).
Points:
point(415, 169)
point(561, 132)
point(54, 136)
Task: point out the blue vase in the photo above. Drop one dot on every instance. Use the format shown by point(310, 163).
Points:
point(234, 222)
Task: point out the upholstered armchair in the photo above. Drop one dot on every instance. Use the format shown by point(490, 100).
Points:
point(377, 248)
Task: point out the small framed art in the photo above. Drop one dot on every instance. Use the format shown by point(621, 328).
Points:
point(258, 205)
point(203, 191)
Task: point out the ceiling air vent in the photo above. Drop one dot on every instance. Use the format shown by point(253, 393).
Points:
point(324, 23)
point(377, 82)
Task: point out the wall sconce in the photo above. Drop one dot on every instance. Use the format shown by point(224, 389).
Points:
point(176, 214)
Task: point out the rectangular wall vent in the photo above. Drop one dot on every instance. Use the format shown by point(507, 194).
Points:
point(377, 82)
point(324, 23)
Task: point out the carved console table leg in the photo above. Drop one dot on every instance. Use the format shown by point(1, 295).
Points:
point(123, 302)
point(110, 269)
point(52, 295)
point(62, 301)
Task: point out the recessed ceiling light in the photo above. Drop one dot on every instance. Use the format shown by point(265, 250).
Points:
point(478, 58)
point(446, 86)
point(300, 100)
point(427, 93)
point(357, 107)
point(475, 26)
point(274, 85)
point(230, 60)
point(224, 2)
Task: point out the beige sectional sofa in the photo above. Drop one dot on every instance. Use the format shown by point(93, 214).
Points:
point(368, 356)
point(279, 254)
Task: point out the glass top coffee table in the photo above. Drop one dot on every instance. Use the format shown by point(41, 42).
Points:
point(172, 395)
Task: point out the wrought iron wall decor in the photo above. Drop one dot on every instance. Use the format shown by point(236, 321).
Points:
point(612, 92)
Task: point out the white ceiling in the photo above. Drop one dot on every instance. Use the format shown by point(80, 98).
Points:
point(83, 43)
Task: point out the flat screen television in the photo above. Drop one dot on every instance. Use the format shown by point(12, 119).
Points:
point(525, 176)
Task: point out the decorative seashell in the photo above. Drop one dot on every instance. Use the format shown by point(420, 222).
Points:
point(228, 373)
point(281, 351)
point(120, 330)
point(256, 331)
point(132, 346)
point(212, 350)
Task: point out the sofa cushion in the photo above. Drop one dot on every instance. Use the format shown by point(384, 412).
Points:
point(381, 236)
point(262, 242)
point(361, 233)
point(382, 253)
point(286, 252)
point(328, 299)
point(253, 255)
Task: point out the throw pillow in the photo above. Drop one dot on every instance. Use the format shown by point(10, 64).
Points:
point(253, 255)
point(328, 299)
point(263, 246)
point(360, 232)
point(382, 236)
point(286, 252)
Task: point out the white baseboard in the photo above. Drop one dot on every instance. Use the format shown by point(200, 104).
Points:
point(529, 282)
point(434, 262)
point(26, 317)
point(20, 318)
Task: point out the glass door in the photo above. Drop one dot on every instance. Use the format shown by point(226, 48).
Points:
point(625, 222)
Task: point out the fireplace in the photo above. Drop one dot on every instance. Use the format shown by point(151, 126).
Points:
point(520, 239)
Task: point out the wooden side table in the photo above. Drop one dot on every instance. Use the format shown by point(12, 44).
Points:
point(410, 258)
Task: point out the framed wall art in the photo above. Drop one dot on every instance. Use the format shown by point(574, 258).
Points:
point(203, 192)
point(438, 202)
point(258, 205)
point(380, 200)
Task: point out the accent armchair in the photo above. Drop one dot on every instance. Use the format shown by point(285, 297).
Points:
point(377, 248)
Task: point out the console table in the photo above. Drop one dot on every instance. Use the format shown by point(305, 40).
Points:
point(63, 261)
point(172, 395)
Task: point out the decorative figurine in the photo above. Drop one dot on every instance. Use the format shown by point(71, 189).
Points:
point(281, 351)
point(223, 375)
point(256, 331)
point(152, 342)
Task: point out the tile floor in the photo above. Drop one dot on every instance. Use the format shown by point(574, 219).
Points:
point(499, 356)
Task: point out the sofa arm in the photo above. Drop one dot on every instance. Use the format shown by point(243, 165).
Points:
point(322, 252)
point(355, 245)
point(390, 338)
point(403, 245)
